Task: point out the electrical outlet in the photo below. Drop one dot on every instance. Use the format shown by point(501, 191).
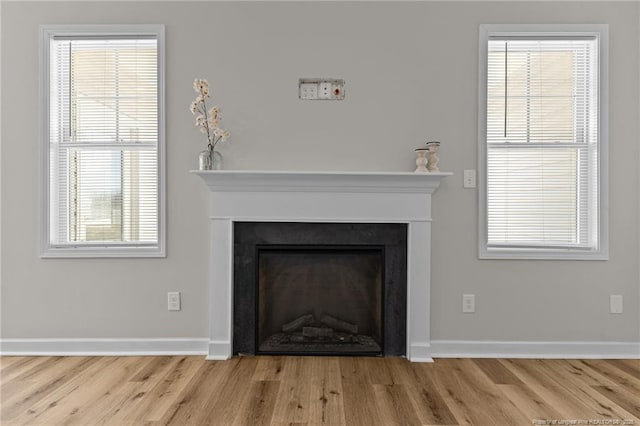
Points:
point(615, 303)
point(469, 179)
point(468, 303)
point(173, 300)
point(325, 90)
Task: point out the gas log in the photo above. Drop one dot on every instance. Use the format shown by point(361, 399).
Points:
point(339, 324)
point(298, 323)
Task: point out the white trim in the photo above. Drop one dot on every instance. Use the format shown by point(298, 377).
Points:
point(48, 250)
point(1, 258)
point(419, 352)
point(522, 349)
point(542, 254)
point(219, 350)
point(221, 267)
point(103, 347)
point(302, 181)
point(602, 32)
point(101, 252)
point(380, 219)
point(354, 1)
point(418, 292)
point(638, 182)
point(162, 144)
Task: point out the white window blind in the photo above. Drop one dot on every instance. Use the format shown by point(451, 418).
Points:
point(103, 141)
point(542, 142)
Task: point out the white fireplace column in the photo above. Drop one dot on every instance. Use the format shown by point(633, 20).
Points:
point(350, 197)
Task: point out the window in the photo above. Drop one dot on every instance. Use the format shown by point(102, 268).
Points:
point(542, 128)
point(103, 141)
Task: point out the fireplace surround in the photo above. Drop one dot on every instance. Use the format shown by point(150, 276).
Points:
point(340, 288)
point(320, 197)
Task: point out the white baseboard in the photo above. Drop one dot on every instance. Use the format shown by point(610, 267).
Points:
point(103, 347)
point(420, 352)
point(521, 349)
point(220, 350)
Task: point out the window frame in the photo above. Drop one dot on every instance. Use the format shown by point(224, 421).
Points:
point(601, 252)
point(98, 250)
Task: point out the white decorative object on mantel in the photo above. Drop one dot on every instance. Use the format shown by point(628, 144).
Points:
point(421, 160)
point(432, 157)
point(357, 197)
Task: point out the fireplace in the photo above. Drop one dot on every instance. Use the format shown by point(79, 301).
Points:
point(240, 199)
point(320, 300)
point(320, 288)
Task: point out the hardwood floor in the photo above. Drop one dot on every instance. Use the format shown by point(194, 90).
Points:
point(316, 390)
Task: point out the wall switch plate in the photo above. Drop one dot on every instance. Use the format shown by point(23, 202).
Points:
point(173, 300)
point(328, 89)
point(469, 179)
point(308, 91)
point(468, 303)
point(615, 303)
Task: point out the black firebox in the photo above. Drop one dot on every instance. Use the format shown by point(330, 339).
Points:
point(320, 299)
point(320, 288)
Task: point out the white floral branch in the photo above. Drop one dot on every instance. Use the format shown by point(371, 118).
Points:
point(207, 120)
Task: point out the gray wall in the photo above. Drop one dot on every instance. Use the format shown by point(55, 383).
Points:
point(411, 73)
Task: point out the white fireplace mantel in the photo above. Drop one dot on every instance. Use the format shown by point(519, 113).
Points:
point(238, 180)
point(290, 196)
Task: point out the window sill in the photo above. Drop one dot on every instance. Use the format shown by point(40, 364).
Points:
point(541, 254)
point(102, 252)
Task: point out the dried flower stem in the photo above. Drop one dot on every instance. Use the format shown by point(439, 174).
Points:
point(208, 123)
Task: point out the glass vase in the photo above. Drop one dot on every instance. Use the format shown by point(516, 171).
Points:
point(210, 159)
point(216, 160)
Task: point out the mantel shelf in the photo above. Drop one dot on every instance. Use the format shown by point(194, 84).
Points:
point(293, 181)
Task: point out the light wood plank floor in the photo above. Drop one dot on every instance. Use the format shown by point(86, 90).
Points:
point(316, 390)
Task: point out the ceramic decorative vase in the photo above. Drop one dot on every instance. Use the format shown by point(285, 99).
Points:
point(432, 156)
point(210, 160)
point(421, 160)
